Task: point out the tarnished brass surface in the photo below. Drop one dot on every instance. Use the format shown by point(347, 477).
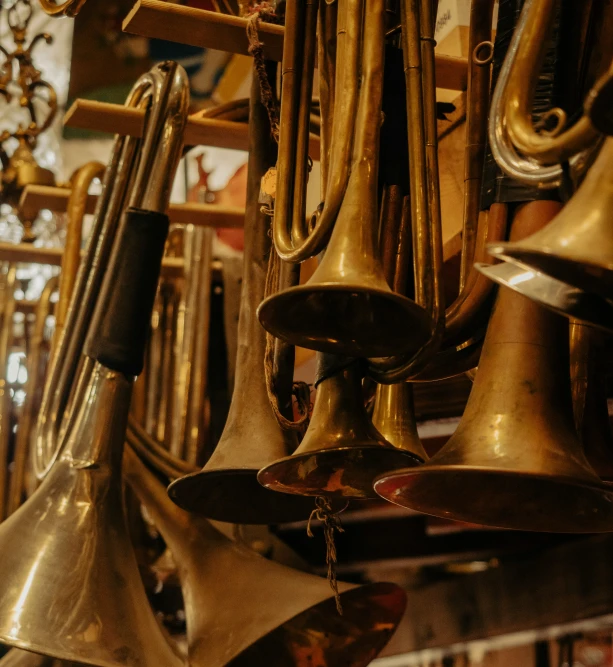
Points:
point(347, 306)
point(226, 488)
point(243, 610)
point(577, 246)
point(341, 452)
point(74, 590)
point(515, 460)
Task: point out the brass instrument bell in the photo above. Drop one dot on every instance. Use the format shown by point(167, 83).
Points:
point(347, 307)
point(576, 247)
point(341, 452)
point(226, 488)
point(515, 460)
point(243, 610)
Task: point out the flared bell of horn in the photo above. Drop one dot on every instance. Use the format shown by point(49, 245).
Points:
point(515, 460)
point(394, 417)
point(226, 489)
point(342, 452)
point(243, 610)
point(560, 297)
point(577, 246)
point(71, 587)
point(347, 307)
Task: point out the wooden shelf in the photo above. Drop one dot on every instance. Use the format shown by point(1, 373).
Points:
point(198, 27)
point(29, 254)
point(118, 119)
point(37, 197)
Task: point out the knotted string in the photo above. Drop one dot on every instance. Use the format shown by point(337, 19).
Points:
point(331, 522)
point(263, 11)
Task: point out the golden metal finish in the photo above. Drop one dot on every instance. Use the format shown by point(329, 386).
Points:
point(577, 246)
point(71, 258)
point(243, 610)
point(226, 488)
point(341, 452)
point(74, 591)
point(67, 8)
point(347, 306)
point(514, 460)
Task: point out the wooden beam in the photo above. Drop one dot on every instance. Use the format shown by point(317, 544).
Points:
point(37, 197)
point(198, 27)
point(564, 584)
point(29, 254)
point(118, 119)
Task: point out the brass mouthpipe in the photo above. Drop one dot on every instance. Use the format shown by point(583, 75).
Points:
point(6, 403)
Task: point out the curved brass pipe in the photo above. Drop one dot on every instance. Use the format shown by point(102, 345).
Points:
point(71, 257)
point(555, 145)
point(22, 444)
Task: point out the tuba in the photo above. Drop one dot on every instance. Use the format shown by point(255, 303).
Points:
point(515, 460)
point(67, 547)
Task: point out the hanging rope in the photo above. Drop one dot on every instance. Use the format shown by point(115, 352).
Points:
point(331, 522)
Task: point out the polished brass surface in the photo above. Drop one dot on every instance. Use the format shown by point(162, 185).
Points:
point(341, 452)
point(347, 306)
point(554, 294)
point(243, 610)
point(394, 417)
point(74, 591)
point(515, 460)
point(577, 246)
point(589, 386)
point(226, 488)
point(18, 658)
point(525, 153)
point(71, 257)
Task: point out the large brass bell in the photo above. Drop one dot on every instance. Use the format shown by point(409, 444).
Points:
point(577, 246)
point(347, 307)
point(226, 488)
point(243, 610)
point(341, 452)
point(515, 460)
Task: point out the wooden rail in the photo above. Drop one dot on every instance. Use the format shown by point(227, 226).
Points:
point(37, 197)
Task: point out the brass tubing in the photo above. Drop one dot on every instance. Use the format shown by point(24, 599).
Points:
point(6, 402)
point(559, 144)
point(71, 256)
point(22, 443)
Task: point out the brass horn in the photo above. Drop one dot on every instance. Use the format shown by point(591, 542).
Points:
point(346, 307)
point(341, 452)
point(515, 460)
point(576, 247)
point(243, 610)
point(226, 488)
point(74, 591)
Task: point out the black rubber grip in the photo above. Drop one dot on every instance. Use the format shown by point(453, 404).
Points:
point(122, 319)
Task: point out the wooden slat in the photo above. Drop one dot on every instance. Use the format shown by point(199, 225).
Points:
point(198, 27)
point(118, 119)
point(29, 254)
point(37, 197)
